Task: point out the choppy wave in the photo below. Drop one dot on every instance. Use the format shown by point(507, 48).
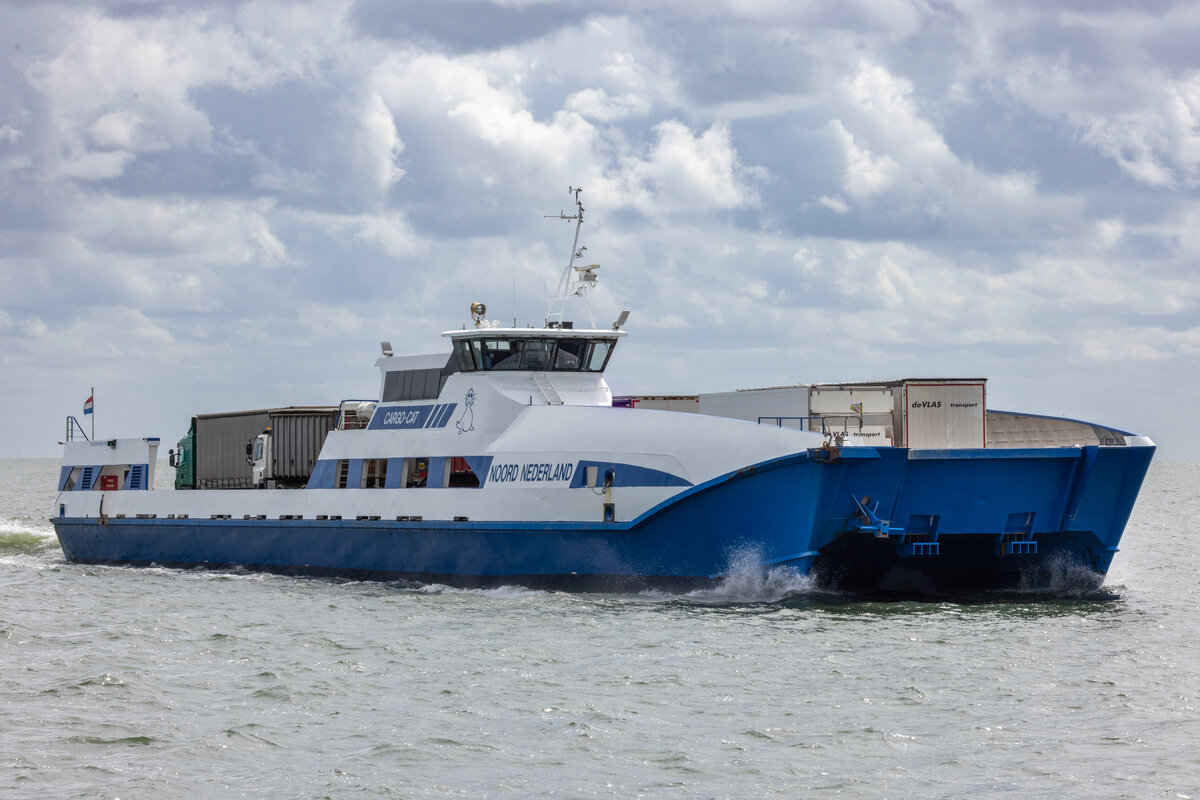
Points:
point(17, 538)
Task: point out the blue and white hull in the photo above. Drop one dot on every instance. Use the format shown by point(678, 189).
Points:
point(1045, 519)
point(686, 540)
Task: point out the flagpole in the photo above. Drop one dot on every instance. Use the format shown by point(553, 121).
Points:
point(93, 414)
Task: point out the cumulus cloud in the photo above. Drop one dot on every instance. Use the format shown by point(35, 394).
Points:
point(1138, 345)
point(380, 144)
point(391, 233)
point(685, 171)
point(482, 118)
point(1158, 145)
point(866, 173)
point(231, 233)
point(98, 336)
point(596, 104)
point(896, 157)
point(117, 87)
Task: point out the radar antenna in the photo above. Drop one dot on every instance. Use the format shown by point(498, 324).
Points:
point(575, 281)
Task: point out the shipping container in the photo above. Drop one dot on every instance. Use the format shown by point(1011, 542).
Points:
point(213, 454)
point(297, 435)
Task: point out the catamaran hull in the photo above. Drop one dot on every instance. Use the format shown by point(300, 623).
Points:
point(1046, 519)
point(1041, 520)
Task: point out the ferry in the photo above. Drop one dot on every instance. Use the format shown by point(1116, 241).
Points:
point(504, 461)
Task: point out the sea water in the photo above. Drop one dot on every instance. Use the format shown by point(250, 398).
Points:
point(157, 683)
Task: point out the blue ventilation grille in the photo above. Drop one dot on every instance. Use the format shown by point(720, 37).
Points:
point(137, 477)
point(910, 549)
point(920, 537)
point(86, 479)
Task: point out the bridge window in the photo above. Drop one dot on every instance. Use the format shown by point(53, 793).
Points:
point(570, 354)
point(598, 354)
point(537, 354)
point(502, 353)
point(466, 357)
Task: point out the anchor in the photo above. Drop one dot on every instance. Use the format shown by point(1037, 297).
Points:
point(871, 523)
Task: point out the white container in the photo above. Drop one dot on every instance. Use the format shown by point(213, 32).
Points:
point(944, 414)
point(784, 406)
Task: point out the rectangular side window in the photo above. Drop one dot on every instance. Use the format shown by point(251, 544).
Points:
point(416, 472)
point(374, 473)
point(73, 479)
point(391, 387)
point(461, 474)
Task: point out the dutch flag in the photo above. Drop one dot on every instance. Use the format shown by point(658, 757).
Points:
point(87, 407)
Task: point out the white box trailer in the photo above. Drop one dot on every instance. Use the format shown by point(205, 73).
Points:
point(918, 413)
point(863, 410)
point(944, 414)
point(785, 406)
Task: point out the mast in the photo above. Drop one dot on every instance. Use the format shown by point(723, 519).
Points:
point(575, 281)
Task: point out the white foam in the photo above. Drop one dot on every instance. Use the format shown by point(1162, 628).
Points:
point(748, 580)
point(502, 592)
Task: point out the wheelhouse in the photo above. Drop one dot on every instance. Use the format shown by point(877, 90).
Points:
point(544, 350)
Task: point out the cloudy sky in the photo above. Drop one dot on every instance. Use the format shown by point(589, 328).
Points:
point(210, 206)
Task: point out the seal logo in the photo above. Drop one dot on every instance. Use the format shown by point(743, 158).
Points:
point(466, 422)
